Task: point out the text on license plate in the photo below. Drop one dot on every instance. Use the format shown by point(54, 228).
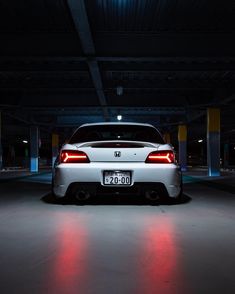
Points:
point(117, 178)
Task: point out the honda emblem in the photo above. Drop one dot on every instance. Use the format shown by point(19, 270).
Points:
point(117, 153)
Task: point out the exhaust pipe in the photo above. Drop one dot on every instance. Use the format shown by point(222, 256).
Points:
point(82, 195)
point(152, 195)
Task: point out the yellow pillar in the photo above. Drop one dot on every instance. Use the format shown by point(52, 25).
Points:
point(182, 139)
point(213, 141)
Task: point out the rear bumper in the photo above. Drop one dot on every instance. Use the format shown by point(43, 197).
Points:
point(164, 177)
point(138, 189)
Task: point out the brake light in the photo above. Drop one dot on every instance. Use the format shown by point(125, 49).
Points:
point(166, 156)
point(73, 156)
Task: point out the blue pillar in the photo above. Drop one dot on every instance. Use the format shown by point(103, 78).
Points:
point(0, 140)
point(55, 147)
point(34, 142)
point(213, 141)
point(182, 138)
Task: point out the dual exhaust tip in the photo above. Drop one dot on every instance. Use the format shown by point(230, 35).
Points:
point(83, 195)
point(152, 195)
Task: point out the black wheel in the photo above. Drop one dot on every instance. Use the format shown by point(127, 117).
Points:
point(52, 188)
point(178, 199)
point(56, 199)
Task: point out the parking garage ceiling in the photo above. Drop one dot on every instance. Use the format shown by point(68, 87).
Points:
point(64, 63)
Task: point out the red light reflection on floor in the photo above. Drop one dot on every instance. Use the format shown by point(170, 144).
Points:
point(68, 266)
point(160, 268)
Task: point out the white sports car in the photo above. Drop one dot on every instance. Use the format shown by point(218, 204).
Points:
point(117, 158)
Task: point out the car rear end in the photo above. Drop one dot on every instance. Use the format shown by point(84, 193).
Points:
point(117, 166)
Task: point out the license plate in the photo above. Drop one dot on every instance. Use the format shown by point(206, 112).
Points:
point(117, 178)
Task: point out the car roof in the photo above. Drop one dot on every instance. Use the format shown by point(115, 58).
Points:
point(117, 123)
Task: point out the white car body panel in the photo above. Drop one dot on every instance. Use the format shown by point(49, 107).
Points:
point(103, 159)
point(68, 173)
point(127, 154)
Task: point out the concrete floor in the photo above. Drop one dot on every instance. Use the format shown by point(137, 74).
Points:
point(116, 245)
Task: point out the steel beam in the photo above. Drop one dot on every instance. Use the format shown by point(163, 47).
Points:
point(18, 63)
point(80, 19)
point(215, 102)
point(228, 99)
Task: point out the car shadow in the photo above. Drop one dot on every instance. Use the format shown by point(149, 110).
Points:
point(114, 200)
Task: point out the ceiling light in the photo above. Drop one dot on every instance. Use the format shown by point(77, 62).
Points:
point(25, 141)
point(200, 141)
point(119, 117)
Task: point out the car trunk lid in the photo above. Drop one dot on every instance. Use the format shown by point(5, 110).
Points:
point(117, 151)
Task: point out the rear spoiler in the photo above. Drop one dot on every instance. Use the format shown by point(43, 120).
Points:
point(118, 144)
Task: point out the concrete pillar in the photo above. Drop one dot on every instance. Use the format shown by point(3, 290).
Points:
point(55, 147)
point(226, 155)
point(182, 138)
point(0, 140)
point(34, 143)
point(213, 141)
point(167, 138)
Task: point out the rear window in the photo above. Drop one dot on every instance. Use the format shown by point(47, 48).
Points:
point(116, 132)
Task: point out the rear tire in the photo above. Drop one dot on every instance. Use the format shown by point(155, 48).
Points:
point(179, 197)
point(52, 189)
point(56, 199)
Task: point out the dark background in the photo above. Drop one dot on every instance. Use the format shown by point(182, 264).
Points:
point(64, 63)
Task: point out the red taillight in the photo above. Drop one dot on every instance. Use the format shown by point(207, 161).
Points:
point(166, 156)
point(73, 156)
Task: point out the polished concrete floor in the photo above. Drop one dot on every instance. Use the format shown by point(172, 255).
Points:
point(117, 245)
